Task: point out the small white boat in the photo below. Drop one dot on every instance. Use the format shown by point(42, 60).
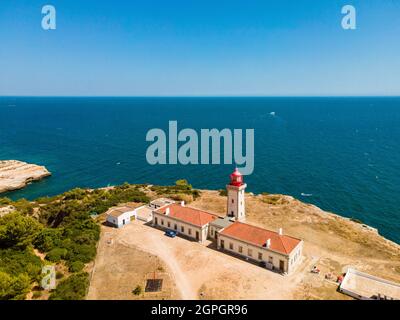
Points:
point(306, 194)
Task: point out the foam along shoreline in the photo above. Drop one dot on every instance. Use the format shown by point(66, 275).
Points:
point(16, 174)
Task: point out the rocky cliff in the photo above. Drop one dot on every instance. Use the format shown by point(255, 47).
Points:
point(17, 174)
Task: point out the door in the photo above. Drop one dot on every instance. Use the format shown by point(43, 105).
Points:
point(281, 265)
point(123, 221)
point(197, 235)
point(222, 244)
point(156, 220)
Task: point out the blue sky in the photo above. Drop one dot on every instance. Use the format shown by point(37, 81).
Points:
point(200, 48)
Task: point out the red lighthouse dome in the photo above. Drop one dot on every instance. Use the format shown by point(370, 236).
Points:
point(236, 178)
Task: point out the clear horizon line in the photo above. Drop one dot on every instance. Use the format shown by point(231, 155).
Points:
point(200, 96)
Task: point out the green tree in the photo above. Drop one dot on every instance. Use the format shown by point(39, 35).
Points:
point(13, 287)
point(72, 288)
point(17, 230)
point(48, 239)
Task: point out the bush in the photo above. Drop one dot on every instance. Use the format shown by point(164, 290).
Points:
point(82, 252)
point(137, 291)
point(13, 288)
point(48, 239)
point(17, 230)
point(15, 262)
point(72, 288)
point(76, 266)
point(182, 197)
point(56, 254)
point(5, 201)
point(223, 192)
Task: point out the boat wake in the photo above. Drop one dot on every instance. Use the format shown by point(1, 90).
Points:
point(306, 194)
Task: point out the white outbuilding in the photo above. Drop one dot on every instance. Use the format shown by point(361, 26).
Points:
point(120, 216)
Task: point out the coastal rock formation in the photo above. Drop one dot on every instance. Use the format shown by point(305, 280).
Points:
point(17, 174)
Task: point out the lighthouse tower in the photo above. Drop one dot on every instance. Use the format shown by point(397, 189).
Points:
point(235, 190)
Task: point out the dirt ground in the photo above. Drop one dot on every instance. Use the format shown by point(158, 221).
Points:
point(195, 271)
point(331, 242)
point(119, 269)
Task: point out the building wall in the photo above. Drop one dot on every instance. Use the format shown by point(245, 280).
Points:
point(295, 257)
point(189, 230)
point(119, 221)
point(212, 230)
point(257, 253)
point(236, 205)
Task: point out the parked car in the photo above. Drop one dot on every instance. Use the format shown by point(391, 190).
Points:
point(170, 233)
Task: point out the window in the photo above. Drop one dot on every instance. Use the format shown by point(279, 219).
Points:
point(259, 256)
point(249, 252)
point(231, 212)
point(169, 224)
point(190, 231)
point(233, 201)
point(162, 222)
point(270, 259)
point(231, 245)
point(212, 232)
point(182, 229)
point(240, 249)
point(176, 227)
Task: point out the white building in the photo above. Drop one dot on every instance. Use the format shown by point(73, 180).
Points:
point(145, 213)
point(277, 251)
point(120, 216)
point(274, 250)
point(186, 221)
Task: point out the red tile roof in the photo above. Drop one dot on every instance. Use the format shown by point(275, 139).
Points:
point(187, 214)
point(259, 236)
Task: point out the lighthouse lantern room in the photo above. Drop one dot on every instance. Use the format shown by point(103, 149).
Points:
point(235, 190)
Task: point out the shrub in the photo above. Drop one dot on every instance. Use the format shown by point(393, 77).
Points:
point(72, 288)
point(13, 287)
point(137, 291)
point(182, 197)
point(5, 201)
point(223, 192)
point(48, 239)
point(76, 266)
point(56, 254)
point(17, 230)
point(83, 252)
point(15, 262)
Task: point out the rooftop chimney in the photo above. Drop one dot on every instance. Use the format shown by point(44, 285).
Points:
point(280, 231)
point(268, 244)
point(167, 211)
point(182, 203)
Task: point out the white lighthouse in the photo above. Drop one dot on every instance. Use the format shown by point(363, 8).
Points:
point(235, 190)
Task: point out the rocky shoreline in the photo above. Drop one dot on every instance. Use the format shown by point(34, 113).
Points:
point(16, 174)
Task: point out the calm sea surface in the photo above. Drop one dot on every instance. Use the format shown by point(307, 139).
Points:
point(342, 154)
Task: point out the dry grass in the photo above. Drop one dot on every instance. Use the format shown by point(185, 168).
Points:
point(120, 269)
point(334, 243)
point(330, 242)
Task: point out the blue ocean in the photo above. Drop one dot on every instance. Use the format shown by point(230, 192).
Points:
point(341, 154)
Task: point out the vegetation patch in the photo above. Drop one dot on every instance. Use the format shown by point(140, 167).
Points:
point(72, 288)
point(62, 230)
point(182, 190)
